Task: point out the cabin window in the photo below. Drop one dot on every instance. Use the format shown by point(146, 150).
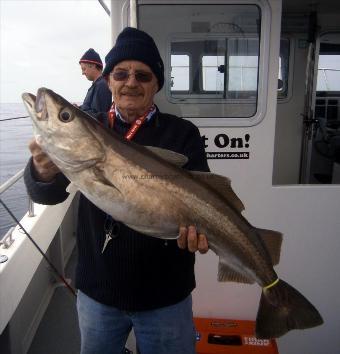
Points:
point(325, 140)
point(213, 78)
point(242, 76)
point(179, 73)
point(327, 108)
point(220, 70)
point(329, 73)
point(282, 86)
point(214, 66)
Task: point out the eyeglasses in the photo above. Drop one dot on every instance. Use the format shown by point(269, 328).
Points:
point(140, 76)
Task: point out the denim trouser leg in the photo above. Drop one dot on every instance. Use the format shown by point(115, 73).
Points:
point(168, 330)
point(104, 329)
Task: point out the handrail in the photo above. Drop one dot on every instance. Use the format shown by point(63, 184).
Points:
point(10, 182)
point(101, 2)
point(7, 240)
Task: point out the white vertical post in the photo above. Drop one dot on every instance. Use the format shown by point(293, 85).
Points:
point(117, 22)
point(133, 13)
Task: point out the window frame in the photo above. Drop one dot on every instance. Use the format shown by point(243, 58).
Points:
point(263, 69)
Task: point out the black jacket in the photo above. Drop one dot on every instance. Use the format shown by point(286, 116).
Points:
point(136, 272)
point(98, 100)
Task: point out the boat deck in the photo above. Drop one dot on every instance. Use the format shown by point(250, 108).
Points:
point(58, 331)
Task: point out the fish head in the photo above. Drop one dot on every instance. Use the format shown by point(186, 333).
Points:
point(63, 131)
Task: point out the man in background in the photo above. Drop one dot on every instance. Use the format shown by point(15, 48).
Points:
point(98, 98)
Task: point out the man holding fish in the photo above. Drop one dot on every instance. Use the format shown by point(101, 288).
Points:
point(130, 192)
point(125, 278)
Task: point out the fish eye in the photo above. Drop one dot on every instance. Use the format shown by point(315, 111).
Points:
point(65, 115)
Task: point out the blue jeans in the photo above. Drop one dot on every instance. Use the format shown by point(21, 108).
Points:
point(105, 329)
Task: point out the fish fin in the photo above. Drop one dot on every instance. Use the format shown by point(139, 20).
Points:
point(158, 233)
point(101, 178)
point(221, 185)
point(71, 188)
point(282, 308)
point(171, 156)
point(225, 273)
point(272, 240)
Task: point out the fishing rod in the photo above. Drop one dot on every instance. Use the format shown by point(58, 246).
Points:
point(3, 120)
point(55, 270)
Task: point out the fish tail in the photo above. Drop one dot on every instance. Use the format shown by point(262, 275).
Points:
point(283, 308)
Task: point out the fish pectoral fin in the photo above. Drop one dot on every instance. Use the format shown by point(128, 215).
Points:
point(173, 157)
point(272, 240)
point(72, 188)
point(101, 178)
point(221, 185)
point(225, 273)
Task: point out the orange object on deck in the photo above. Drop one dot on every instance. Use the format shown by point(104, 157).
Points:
point(219, 336)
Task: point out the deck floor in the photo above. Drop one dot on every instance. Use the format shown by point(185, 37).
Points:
point(58, 332)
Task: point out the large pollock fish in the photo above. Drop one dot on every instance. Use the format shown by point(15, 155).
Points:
point(146, 189)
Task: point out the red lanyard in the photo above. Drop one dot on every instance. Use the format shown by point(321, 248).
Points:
point(136, 125)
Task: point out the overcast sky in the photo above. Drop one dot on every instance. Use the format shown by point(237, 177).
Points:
point(42, 42)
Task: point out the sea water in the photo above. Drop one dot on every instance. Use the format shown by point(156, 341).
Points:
point(14, 138)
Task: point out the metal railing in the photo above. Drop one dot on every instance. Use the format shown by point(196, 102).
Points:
point(7, 239)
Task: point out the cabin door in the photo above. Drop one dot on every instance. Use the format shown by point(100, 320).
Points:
point(321, 145)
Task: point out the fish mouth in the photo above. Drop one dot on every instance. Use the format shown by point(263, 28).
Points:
point(36, 104)
point(29, 99)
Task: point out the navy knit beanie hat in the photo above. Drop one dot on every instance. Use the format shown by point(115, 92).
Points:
point(134, 44)
point(91, 57)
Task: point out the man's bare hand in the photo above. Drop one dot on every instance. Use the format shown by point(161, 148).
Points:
point(45, 169)
point(188, 238)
